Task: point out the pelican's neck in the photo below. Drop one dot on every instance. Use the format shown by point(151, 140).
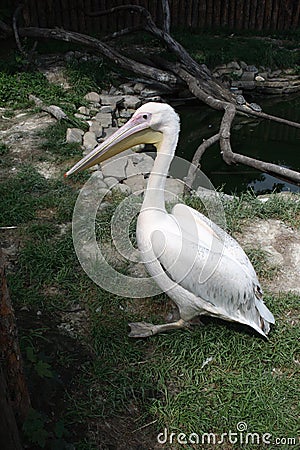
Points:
point(155, 192)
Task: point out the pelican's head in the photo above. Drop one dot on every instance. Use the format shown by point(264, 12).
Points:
point(147, 126)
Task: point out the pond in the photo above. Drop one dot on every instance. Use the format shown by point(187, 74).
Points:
point(261, 139)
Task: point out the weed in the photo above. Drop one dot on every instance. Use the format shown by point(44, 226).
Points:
point(54, 141)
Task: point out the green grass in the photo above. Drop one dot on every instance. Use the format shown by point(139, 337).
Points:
point(17, 82)
point(28, 195)
point(212, 50)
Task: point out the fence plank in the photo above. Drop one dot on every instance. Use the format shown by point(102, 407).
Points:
point(239, 12)
point(202, 14)
point(233, 14)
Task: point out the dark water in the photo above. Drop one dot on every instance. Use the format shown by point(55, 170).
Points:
point(256, 138)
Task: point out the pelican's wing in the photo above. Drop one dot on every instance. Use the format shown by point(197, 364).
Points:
point(184, 213)
point(196, 256)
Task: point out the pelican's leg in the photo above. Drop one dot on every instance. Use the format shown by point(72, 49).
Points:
point(144, 329)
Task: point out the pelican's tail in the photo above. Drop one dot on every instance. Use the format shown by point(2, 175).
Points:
point(266, 316)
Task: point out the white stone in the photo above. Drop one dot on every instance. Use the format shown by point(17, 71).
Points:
point(127, 89)
point(138, 87)
point(74, 135)
point(80, 116)
point(137, 183)
point(173, 189)
point(147, 92)
point(110, 181)
point(104, 119)
point(89, 140)
point(132, 101)
point(115, 168)
point(123, 188)
point(96, 128)
point(92, 97)
point(111, 100)
point(233, 65)
point(109, 131)
point(84, 110)
point(106, 109)
point(139, 164)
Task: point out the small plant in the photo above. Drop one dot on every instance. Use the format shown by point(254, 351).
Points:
point(3, 149)
point(39, 430)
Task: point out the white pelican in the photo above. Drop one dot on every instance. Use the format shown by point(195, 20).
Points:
point(202, 269)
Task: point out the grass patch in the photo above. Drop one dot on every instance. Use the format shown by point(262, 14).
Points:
point(262, 266)
point(27, 195)
point(212, 50)
point(54, 141)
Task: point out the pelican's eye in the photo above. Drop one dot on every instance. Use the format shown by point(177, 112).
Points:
point(145, 116)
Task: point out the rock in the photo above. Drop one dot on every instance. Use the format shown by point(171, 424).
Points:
point(69, 56)
point(234, 65)
point(104, 119)
point(174, 189)
point(74, 135)
point(96, 128)
point(127, 88)
point(259, 78)
point(122, 188)
point(89, 140)
point(143, 166)
point(110, 181)
point(126, 113)
point(136, 183)
point(253, 69)
point(100, 182)
point(138, 87)
point(255, 107)
point(92, 97)
point(243, 65)
point(237, 73)
point(84, 110)
point(157, 98)
point(147, 92)
point(240, 99)
point(109, 131)
point(247, 85)
point(131, 101)
point(275, 74)
point(248, 76)
point(111, 100)
point(115, 168)
point(80, 116)
point(106, 109)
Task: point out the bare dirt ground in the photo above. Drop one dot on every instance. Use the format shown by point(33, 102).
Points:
point(281, 244)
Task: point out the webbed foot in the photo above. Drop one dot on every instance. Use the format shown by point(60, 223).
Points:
point(141, 329)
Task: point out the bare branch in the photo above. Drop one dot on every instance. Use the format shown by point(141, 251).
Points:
point(196, 160)
point(190, 64)
point(263, 115)
point(15, 28)
point(121, 33)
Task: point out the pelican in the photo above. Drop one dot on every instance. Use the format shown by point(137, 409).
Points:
point(200, 267)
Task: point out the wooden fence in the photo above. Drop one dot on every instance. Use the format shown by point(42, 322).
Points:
point(190, 14)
